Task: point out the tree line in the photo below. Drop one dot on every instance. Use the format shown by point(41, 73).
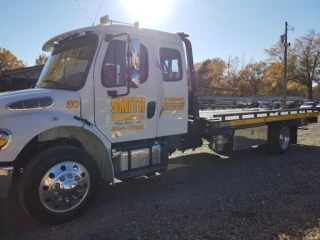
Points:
point(8, 61)
point(265, 78)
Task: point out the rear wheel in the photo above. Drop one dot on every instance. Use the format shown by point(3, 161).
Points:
point(279, 138)
point(58, 184)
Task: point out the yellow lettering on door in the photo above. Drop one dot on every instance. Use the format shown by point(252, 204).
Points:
point(128, 105)
point(114, 105)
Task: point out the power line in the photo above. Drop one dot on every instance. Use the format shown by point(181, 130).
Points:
point(84, 10)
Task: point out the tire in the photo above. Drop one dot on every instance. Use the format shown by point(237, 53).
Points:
point(58, 184)
point(279, 138)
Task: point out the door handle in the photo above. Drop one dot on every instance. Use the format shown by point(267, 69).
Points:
point(151, 109)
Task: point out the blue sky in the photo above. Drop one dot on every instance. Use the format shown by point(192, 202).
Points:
point(217, 28)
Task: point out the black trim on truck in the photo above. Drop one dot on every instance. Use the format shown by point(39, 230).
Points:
point(6, 173)
point(193, 98)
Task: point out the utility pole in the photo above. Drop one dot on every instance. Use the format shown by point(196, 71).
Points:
point(284, 40)
point(285, 65)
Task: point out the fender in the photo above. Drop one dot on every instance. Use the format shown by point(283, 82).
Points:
point(26, 125)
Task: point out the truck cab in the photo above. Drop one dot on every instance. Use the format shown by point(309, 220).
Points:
point(112, 101)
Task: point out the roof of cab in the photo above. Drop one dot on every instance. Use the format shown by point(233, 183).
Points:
point(48, 46)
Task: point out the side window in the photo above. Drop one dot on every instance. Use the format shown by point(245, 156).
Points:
point(113, 72)
point(170, 64)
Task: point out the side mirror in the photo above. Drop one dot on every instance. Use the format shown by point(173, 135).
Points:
point(133, 64)
point(134, 79)
point(134, 54)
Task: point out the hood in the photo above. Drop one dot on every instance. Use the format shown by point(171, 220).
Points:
point(39, 99)
point(25, 92)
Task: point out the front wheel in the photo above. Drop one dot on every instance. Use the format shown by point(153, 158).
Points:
point(58, 184)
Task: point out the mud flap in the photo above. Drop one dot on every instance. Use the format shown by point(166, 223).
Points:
point(294, 134)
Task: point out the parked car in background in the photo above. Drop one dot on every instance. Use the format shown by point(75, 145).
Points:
point(240, 104)
point(275, 105)
point(317, 102)
point(293, 104)
point(263, 105)
point(298, 104)
point(247, 103)
point(290, 104)
point(259, 105)
point(271, 101)
point(254, 104)
point(308, 105)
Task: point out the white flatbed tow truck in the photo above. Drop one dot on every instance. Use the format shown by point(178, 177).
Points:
point(113, 102)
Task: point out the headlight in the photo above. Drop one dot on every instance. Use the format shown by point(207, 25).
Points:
point(5, 138)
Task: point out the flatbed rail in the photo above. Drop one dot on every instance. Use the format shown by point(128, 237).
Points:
point(248, 118)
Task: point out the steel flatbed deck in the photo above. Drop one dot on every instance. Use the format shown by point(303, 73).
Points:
point(259, 117)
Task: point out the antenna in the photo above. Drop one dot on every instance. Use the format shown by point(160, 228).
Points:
point(97, 13)
point(84, 11)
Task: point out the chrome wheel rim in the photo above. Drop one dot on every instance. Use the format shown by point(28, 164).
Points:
point(284, 138)
point(64, 186)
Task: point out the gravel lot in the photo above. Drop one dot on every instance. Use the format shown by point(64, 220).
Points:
point(245, 195)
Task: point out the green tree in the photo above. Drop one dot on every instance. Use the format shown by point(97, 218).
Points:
point(8, 61)
point(250, 78)
point(216, 72)
point(272, 82)
point(202, 70)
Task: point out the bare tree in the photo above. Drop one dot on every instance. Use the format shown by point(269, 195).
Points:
point(305, 61)
point(42, 59)
point(276, 52)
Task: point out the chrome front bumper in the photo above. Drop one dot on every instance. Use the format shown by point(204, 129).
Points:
point(5, 181)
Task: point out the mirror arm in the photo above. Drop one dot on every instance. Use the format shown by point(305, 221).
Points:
point(125, 94)
point(114, 94)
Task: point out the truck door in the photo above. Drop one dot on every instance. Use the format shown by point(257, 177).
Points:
point(130, 117)
point(173, 87)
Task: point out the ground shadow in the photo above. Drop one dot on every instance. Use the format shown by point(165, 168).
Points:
point(259, 194)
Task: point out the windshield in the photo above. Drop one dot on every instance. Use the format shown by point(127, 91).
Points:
point(69, 64)
point(307, 104)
